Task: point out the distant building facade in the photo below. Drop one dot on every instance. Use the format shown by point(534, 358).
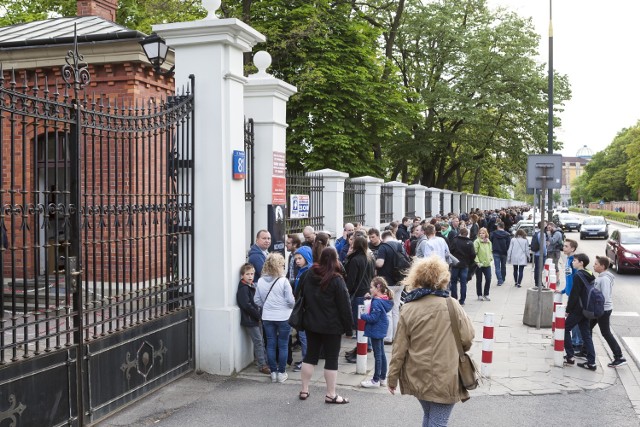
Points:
point(573, 167)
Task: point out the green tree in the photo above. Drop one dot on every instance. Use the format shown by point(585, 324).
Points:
point(633, 166)
point(483, 97)
point(606, 173)
point(344, 107)
point(579, 192)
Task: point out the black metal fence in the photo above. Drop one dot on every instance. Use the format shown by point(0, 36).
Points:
point(313, 186)
point(427, 204)
point(386, 204)
point(249, 181)
point(410, 203)
point(97, 211)
point(353, 202)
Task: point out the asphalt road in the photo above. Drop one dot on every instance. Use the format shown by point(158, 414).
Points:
point(206, 400)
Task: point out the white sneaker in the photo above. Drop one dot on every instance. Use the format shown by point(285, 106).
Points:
point(370, 384)
point(282, 377)
point(383, 383)
point(274, 377)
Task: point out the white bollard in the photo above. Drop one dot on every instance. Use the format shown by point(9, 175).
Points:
point(487, 345)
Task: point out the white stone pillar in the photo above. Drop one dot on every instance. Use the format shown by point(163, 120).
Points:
point(398, 201)
point(464, 203)
point(372, 190)
point(212, 50)
point(436, 207)
point(455, 207)
point(419, 194)
point(332, 199)
point(446, 201)
point(265, 101)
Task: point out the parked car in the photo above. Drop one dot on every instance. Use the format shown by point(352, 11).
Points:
point(623, 249)
point(594, 226)
point(529, 228)
point(567, 222)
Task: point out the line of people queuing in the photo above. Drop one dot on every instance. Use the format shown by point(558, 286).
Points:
point(335, 281)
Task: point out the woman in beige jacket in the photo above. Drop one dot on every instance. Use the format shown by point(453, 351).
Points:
point(424, 358)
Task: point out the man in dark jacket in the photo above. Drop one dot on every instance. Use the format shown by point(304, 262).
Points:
point(403, 230)
point(577, 300)
point(461, 248)
point(500, 241)
point(258, 252)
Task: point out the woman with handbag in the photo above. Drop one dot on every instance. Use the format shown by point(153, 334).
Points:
point(274, 295)
point(518, 256)
point(327, 315)
point(425, 356)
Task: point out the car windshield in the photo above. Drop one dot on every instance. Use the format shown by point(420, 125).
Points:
point(527, 229)
point(593, 221)
point(630, 238)
point(569, 218)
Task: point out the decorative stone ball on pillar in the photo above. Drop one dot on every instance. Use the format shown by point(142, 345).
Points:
point(262, 61)
point(211, 6)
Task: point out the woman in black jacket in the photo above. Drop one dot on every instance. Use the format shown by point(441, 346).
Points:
point(360, 270)
point(461, 248)
point(326, 317)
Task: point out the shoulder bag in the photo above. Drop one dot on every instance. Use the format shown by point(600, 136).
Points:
point(296, 319)
point(467, 370)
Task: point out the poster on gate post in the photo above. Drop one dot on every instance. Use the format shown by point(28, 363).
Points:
point(299, 206)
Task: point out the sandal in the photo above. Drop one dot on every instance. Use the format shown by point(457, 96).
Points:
point(342, 401)
point(304, 395)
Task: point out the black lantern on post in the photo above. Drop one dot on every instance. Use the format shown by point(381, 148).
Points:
point(156, 50)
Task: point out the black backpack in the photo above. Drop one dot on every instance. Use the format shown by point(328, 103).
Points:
point(401, 262)
point(535, 242)
point(594, 308)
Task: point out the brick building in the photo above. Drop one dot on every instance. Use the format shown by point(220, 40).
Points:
point(33, 164)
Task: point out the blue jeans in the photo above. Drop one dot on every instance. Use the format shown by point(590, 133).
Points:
point(576, 337)
point(461, 275)
point(486, 272)
point(277, 334)
point(380, 367)
point(500, 264)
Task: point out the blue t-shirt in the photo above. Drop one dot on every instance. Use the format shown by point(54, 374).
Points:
point(569, 271)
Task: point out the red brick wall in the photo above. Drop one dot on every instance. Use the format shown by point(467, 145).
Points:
point(103, 8)
point(116, 164)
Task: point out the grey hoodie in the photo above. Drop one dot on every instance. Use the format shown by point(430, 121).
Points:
point(604, 282)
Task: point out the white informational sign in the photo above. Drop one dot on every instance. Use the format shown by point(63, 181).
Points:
point(299, 206)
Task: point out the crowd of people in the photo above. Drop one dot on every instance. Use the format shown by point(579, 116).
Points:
point(442, 254)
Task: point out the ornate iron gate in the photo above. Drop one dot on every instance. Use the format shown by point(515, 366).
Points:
point(97, 270)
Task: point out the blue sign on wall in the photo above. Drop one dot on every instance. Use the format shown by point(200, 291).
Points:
point(239, 165)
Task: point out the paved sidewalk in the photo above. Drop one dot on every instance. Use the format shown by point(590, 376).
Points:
point(522, 356)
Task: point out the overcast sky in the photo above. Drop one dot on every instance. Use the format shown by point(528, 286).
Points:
point(596, 44)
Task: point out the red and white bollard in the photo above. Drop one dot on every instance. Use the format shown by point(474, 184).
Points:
point(487, 345)
point(558, 334)
point(361, 353)
point(546, 272)
point(553, 280)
